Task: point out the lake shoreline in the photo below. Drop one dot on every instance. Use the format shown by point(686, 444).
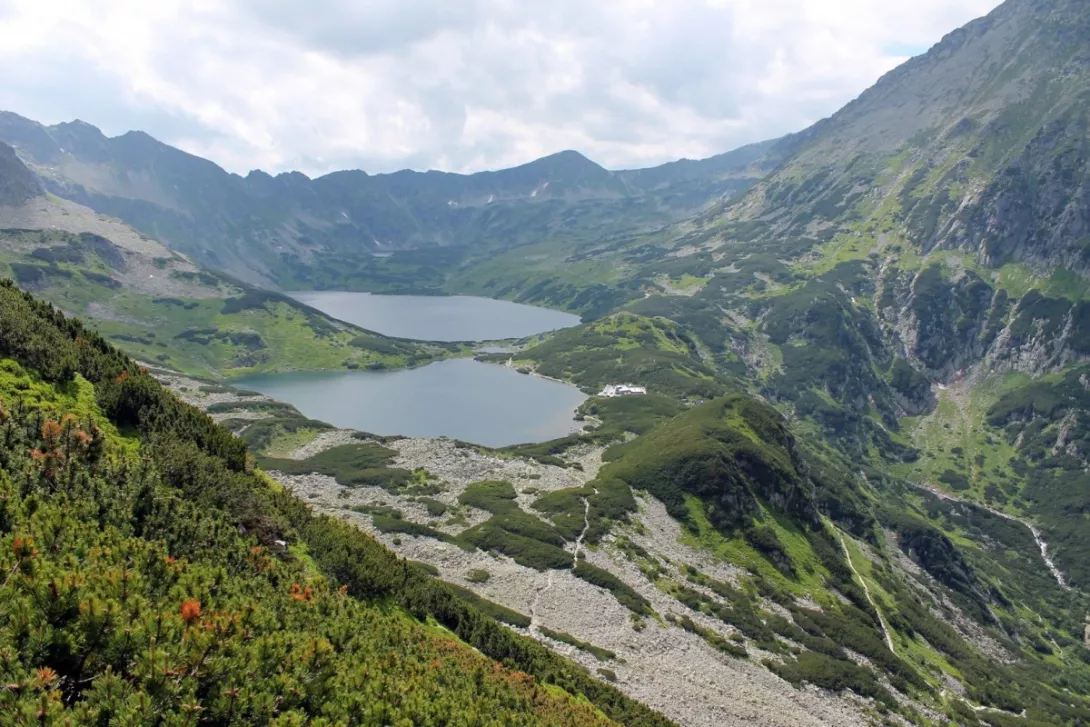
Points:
point(424, 293)
point(485, 404)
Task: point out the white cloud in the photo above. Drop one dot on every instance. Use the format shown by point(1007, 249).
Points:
point(386, 84)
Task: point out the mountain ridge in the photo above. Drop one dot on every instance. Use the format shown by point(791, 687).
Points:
point(266, 228)
point(163, 306)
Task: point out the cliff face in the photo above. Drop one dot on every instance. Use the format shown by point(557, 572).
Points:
point(948, 322)
point(955, 194)
point(1037, 209)
point(17, 184)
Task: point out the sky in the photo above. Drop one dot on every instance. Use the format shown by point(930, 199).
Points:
point(457, 85)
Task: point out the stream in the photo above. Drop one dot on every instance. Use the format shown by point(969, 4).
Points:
point(1042, 546)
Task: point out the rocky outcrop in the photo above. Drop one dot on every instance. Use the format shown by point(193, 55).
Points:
point(944, 320)
point(948, 320)
point(1037, 209)
point(937, 555)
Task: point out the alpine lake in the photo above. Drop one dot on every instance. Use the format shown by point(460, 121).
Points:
point(463, 399)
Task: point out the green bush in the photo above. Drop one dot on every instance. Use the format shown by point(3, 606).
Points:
point(478, 575)
point(435, 507)
point(621, 591)
point(352, 465)
point(596, 651)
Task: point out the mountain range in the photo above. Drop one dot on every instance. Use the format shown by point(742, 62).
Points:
point(261, 227)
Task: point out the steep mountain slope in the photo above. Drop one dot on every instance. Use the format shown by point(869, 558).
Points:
point(159, 305)
point(979, 144)
point(719, 544)
point(280, 230)
point(151, 575)
point(922, 249)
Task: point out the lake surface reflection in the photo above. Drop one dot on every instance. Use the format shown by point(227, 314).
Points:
point(437, 318)
point(460, 398)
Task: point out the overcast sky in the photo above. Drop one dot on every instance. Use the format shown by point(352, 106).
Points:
point(459, 85)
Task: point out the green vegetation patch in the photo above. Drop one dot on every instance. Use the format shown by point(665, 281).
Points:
point(596, 651)
point(388, 524)
point(478, 575)
point(733, 453)
point(281, 435)
point(536, 544)
point(652, 352)
point(352, 465)
point(835, 675)
point(636, 414)
point(526, 551)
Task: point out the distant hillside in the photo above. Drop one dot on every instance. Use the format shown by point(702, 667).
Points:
point(283, 230)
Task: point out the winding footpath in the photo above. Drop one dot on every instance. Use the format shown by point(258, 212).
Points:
point(538, 593)
point(586, 527)
point(544, 588)
point(870, 599)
